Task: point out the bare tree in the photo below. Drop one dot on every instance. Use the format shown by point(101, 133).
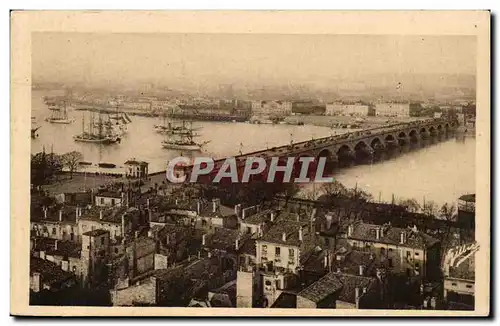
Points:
point(430, 208)
point(71, 160)
point(334, 188)
point(411, 205)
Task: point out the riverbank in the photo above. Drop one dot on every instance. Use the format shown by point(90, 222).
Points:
point(346, 122)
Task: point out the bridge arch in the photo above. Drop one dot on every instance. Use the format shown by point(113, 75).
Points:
point(360, 145)
point(432, 129)
point(423, 130)
point(389, 138)
point(413, 133)
point(325, 152)
point(402, 134)
point(377, 143)
point(345, 150)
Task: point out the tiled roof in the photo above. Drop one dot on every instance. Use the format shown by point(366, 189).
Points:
point(224, 239)
point(258, 218)
point(350, 283)
point(65, 249)
point(291, 229)
point(50, 273)
point(319, 290)
point(468, 198)
point(68, 214)
point(96, 232)
point(109, 194)
point(285, 300)
point(392, 235)
point(110, 215)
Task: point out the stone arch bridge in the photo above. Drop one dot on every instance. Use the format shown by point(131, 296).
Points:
point(348, 145)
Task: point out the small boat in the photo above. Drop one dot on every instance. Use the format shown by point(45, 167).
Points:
point(107, 165)
point(85, 163)
point(181, 137)
point(184, 145)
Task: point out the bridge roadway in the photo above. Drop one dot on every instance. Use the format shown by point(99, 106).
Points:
point(347, 144)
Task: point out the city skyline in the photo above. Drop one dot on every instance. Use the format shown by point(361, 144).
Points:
point(206, 60)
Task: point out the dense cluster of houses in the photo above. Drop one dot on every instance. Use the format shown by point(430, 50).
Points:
point(153, 250)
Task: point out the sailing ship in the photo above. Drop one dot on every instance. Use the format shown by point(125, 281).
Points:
point(119, 122)
point(100, 132)
point(59, 115)
point(182, 138)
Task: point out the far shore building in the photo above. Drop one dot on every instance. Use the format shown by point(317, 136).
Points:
point(392, 109)
point(348, 109)
point(136, 169)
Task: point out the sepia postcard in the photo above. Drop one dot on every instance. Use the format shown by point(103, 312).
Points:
point(250, 163)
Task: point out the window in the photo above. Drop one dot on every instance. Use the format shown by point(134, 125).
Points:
point(102, 241)
point(112, 202)
point(416, 254)
point(249, 229)
point(408, 254)
point(390, 249)
point(277, 251)
point(291, 252)
point(102, 201)
point(454, 284)
point(53, 230)
point(72, 236)
point(203, 223)
point(468, 286)
point(382, 251)
point(116, 250)
point(390, 262)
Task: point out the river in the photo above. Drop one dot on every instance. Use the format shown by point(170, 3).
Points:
point(441, 172)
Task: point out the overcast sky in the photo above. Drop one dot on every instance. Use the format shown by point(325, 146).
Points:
point(213, 58)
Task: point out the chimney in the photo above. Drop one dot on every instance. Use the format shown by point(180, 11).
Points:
point(237, 244)
point(168, 239)
point(283, 237)
point(55, 244)
point(361, 270)
point(301, 238)
point(382, 229)
point(176, 201)
point(377, 230)
point(45, 209)
point(209, 254)
point(298, 217)
point(150, 233)
point(364, 290)
point(76, 213)
point(60, 215)
point(237, 209)
point(272, 216)
point(203, 239)
point(215, 205)
point(198, 207)
point(325, 261)
point(329, 219)
point(147, 203)
point(403, 237)
point(350, 230)
point(356, 297)
point(100, 214)
point(243, 213)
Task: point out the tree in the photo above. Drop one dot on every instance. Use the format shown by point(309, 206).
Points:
point(430, 208)
point(448, 212)
point(71, 160)
point(411, 205)
point(334, 188)
point(44, 167)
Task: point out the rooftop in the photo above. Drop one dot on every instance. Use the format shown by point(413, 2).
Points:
point(68, 214)
point(392, 235)
point(110, 215)
point(319, 290)
point(350, 283)
point(258, 218)
point(468, 198)
point(50, 273)
point(291, 229)
point(96, 233)
point(134, 162)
